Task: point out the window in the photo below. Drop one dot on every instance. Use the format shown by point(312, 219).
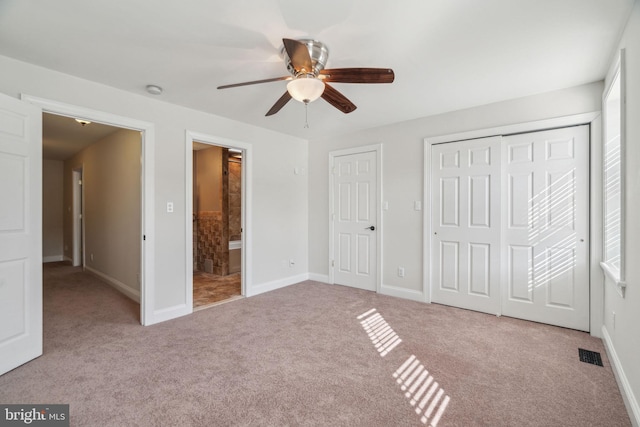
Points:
point(613, 177)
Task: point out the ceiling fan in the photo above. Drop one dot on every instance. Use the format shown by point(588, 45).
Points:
point(309, 79)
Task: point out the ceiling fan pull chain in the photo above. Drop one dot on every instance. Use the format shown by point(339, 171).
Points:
point(306, 115)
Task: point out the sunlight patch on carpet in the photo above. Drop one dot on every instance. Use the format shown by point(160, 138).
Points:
point(423, 392)
point(382, 336)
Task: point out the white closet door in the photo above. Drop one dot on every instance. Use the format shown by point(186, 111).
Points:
point(545, 227)
point(466, 224)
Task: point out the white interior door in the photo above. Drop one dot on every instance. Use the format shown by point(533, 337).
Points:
point(545, 228)
point(466, 224)
point(355, 220)
point(20, 233)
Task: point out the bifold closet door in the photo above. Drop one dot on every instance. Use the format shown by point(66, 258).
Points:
point(545, 232)
point(466, 224)
point(510, 223)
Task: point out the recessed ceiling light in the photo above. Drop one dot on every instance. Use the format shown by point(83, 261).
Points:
point(154, 89)
point(83, 122)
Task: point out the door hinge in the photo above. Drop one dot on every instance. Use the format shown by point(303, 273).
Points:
point(144, 237)
point(79, 182)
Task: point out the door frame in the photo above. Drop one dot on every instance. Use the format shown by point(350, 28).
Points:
point(377, 148)
point(246, 212)
point(147, 130)
point(77, 243)
point(593, 119)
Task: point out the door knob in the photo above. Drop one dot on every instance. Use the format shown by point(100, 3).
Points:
point(370, 228)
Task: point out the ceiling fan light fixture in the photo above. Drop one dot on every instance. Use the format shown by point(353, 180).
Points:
point(305, 88)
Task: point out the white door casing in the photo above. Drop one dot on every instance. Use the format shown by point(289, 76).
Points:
point(354, 220)
point(546, 227)
point(20, 233)
point(78, 221)
point(466, 224)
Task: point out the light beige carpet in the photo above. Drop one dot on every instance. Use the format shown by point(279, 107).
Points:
point(307, 355)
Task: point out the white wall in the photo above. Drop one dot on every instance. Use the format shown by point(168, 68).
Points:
point(279, 202)
point(623, 337)
point(52, 223)
point(403, 173)
point(111, 184)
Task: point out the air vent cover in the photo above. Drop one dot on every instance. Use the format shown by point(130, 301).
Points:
point(589, 356)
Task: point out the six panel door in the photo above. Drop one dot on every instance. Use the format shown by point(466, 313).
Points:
point(355, 220)
point(20, 233)
point(466, 224)
point(546, 227)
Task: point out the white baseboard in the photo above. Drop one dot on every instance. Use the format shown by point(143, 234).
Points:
point(131, 293)
point(169, 313)
point(53, 258)
point(322, 278)
point(68, 259)
point(395, 291)
point(276, 284)
point(630, 401)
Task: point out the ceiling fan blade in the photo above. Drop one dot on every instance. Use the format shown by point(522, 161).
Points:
point(299, 55)
point(337, 99)
point(358, 75)
point(255, 82)
point(279, 104)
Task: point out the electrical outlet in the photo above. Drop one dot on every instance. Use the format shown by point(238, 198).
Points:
point(91, 256)
point(400, 271)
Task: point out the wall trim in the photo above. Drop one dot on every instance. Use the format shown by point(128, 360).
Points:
point(173, 312)
point(630, 401)
point(533, 126)
point(322, 278)
point(403, 293)
point(147, 245)
point(277, 284)
point(115, 283)
point(53, 258)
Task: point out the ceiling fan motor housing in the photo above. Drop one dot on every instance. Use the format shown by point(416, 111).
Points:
point(318, 52)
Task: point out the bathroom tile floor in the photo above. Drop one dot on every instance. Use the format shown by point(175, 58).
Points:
point(210, 289)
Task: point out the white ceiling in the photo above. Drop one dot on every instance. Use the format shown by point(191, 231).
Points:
point(446, 54)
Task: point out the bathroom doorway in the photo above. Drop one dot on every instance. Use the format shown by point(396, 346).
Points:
point(217, 224)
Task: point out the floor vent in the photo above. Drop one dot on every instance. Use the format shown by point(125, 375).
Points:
point(589, 356)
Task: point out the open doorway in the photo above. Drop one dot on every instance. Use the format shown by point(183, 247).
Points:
point(217, 224)
point(92, 207)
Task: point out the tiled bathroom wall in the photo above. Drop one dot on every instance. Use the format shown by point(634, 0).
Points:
point(212, 242)
point(235, 199)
